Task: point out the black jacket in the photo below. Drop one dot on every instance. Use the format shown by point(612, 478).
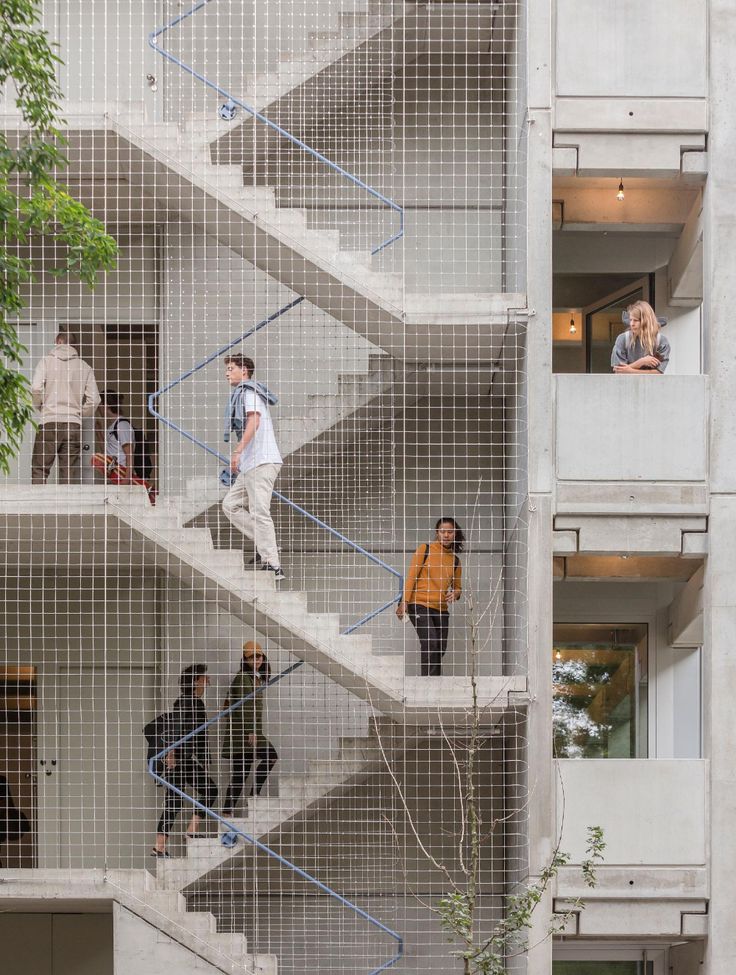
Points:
point(189, 713)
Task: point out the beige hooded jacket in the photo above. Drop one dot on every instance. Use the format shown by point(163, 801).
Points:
point(64, 388)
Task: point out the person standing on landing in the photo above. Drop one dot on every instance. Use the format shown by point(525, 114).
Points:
point(63, 390)
point(256, 461)
point(643, 349)
point(433, 582)
point(245, 744)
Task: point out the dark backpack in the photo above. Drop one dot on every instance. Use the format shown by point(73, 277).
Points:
point(159, 732)
point(142, 465)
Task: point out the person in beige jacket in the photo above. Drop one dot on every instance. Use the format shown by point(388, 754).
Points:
point(64, 390)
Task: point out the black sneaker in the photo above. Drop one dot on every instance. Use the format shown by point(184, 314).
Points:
point(278, 572)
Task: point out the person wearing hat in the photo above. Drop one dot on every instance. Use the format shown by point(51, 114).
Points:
point(245, 745)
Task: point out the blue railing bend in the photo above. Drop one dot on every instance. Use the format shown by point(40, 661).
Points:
point(232, 100)
point(152, 400)
point(348, 904)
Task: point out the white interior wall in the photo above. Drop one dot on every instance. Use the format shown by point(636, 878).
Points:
point(103, 45)
point(93, 639)
point(684, 331)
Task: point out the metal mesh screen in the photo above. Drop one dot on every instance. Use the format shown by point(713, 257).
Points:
point(336, 192)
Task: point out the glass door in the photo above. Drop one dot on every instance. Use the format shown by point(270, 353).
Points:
point(603, 323)
point(599, 690)
point(599, 960)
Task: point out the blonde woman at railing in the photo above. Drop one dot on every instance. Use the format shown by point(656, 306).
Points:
point(642, 349)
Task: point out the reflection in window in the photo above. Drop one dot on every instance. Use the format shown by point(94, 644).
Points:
point(599, 677)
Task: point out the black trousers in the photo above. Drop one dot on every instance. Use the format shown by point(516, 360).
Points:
point(432, 626)
point(192, 780)
point(264, 755)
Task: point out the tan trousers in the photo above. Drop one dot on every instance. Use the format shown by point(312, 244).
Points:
point(57, 440)
point(247, 505)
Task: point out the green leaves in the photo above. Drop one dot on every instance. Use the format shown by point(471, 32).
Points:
point(490, 955)
point(33, 204)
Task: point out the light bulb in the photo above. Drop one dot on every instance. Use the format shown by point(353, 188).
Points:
point(558, 655)
point(620, 194)
point(573, 326)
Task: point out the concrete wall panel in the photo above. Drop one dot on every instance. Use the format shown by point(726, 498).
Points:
point(654, 48)
point(663, 825)
point(631, 428)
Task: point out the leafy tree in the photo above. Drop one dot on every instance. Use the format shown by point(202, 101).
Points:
point(33, 203)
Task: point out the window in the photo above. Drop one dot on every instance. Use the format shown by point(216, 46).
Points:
point(599, 968)
point(599, 678)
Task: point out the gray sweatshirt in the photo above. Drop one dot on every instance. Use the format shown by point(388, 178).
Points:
point(64, 388)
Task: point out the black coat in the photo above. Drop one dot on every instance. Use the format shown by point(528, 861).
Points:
point(13, 822)
point(189, 713)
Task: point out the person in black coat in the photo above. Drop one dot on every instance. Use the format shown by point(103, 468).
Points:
point(185, 767)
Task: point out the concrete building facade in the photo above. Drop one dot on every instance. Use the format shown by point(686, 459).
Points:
point(424, 222)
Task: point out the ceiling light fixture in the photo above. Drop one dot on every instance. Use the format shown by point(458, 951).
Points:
point(620, 194)
point(573, 326)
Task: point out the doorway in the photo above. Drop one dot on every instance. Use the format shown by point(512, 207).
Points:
point(123, 358)
point(18, 711)
point(587, 319)
point(96, 802)
point(608, 959)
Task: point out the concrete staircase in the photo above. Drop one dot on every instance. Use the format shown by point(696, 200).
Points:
point(353, 26)
point(166, 910)
point(180, 176)
point(323, 780)
point(284, 618)
point(160, 163)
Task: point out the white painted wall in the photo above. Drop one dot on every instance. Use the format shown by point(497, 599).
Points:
point(104, 47)
point(93, 639)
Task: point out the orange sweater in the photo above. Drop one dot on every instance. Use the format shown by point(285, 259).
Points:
point(427, 584)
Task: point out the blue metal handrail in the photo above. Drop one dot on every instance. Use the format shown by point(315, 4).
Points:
point(358, 911)
point(232, 102)
point(281, 497)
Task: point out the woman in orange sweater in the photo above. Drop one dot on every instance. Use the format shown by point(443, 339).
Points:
point(433, 582)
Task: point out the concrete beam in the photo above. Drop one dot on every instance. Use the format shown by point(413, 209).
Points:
point(564, 542)
point(685, 269)
point(631, 918)
point(685, 617)
point(645, 154)
point(621, 535)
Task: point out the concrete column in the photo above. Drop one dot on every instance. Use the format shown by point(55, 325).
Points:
point(720, 577)
point(541, 465)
